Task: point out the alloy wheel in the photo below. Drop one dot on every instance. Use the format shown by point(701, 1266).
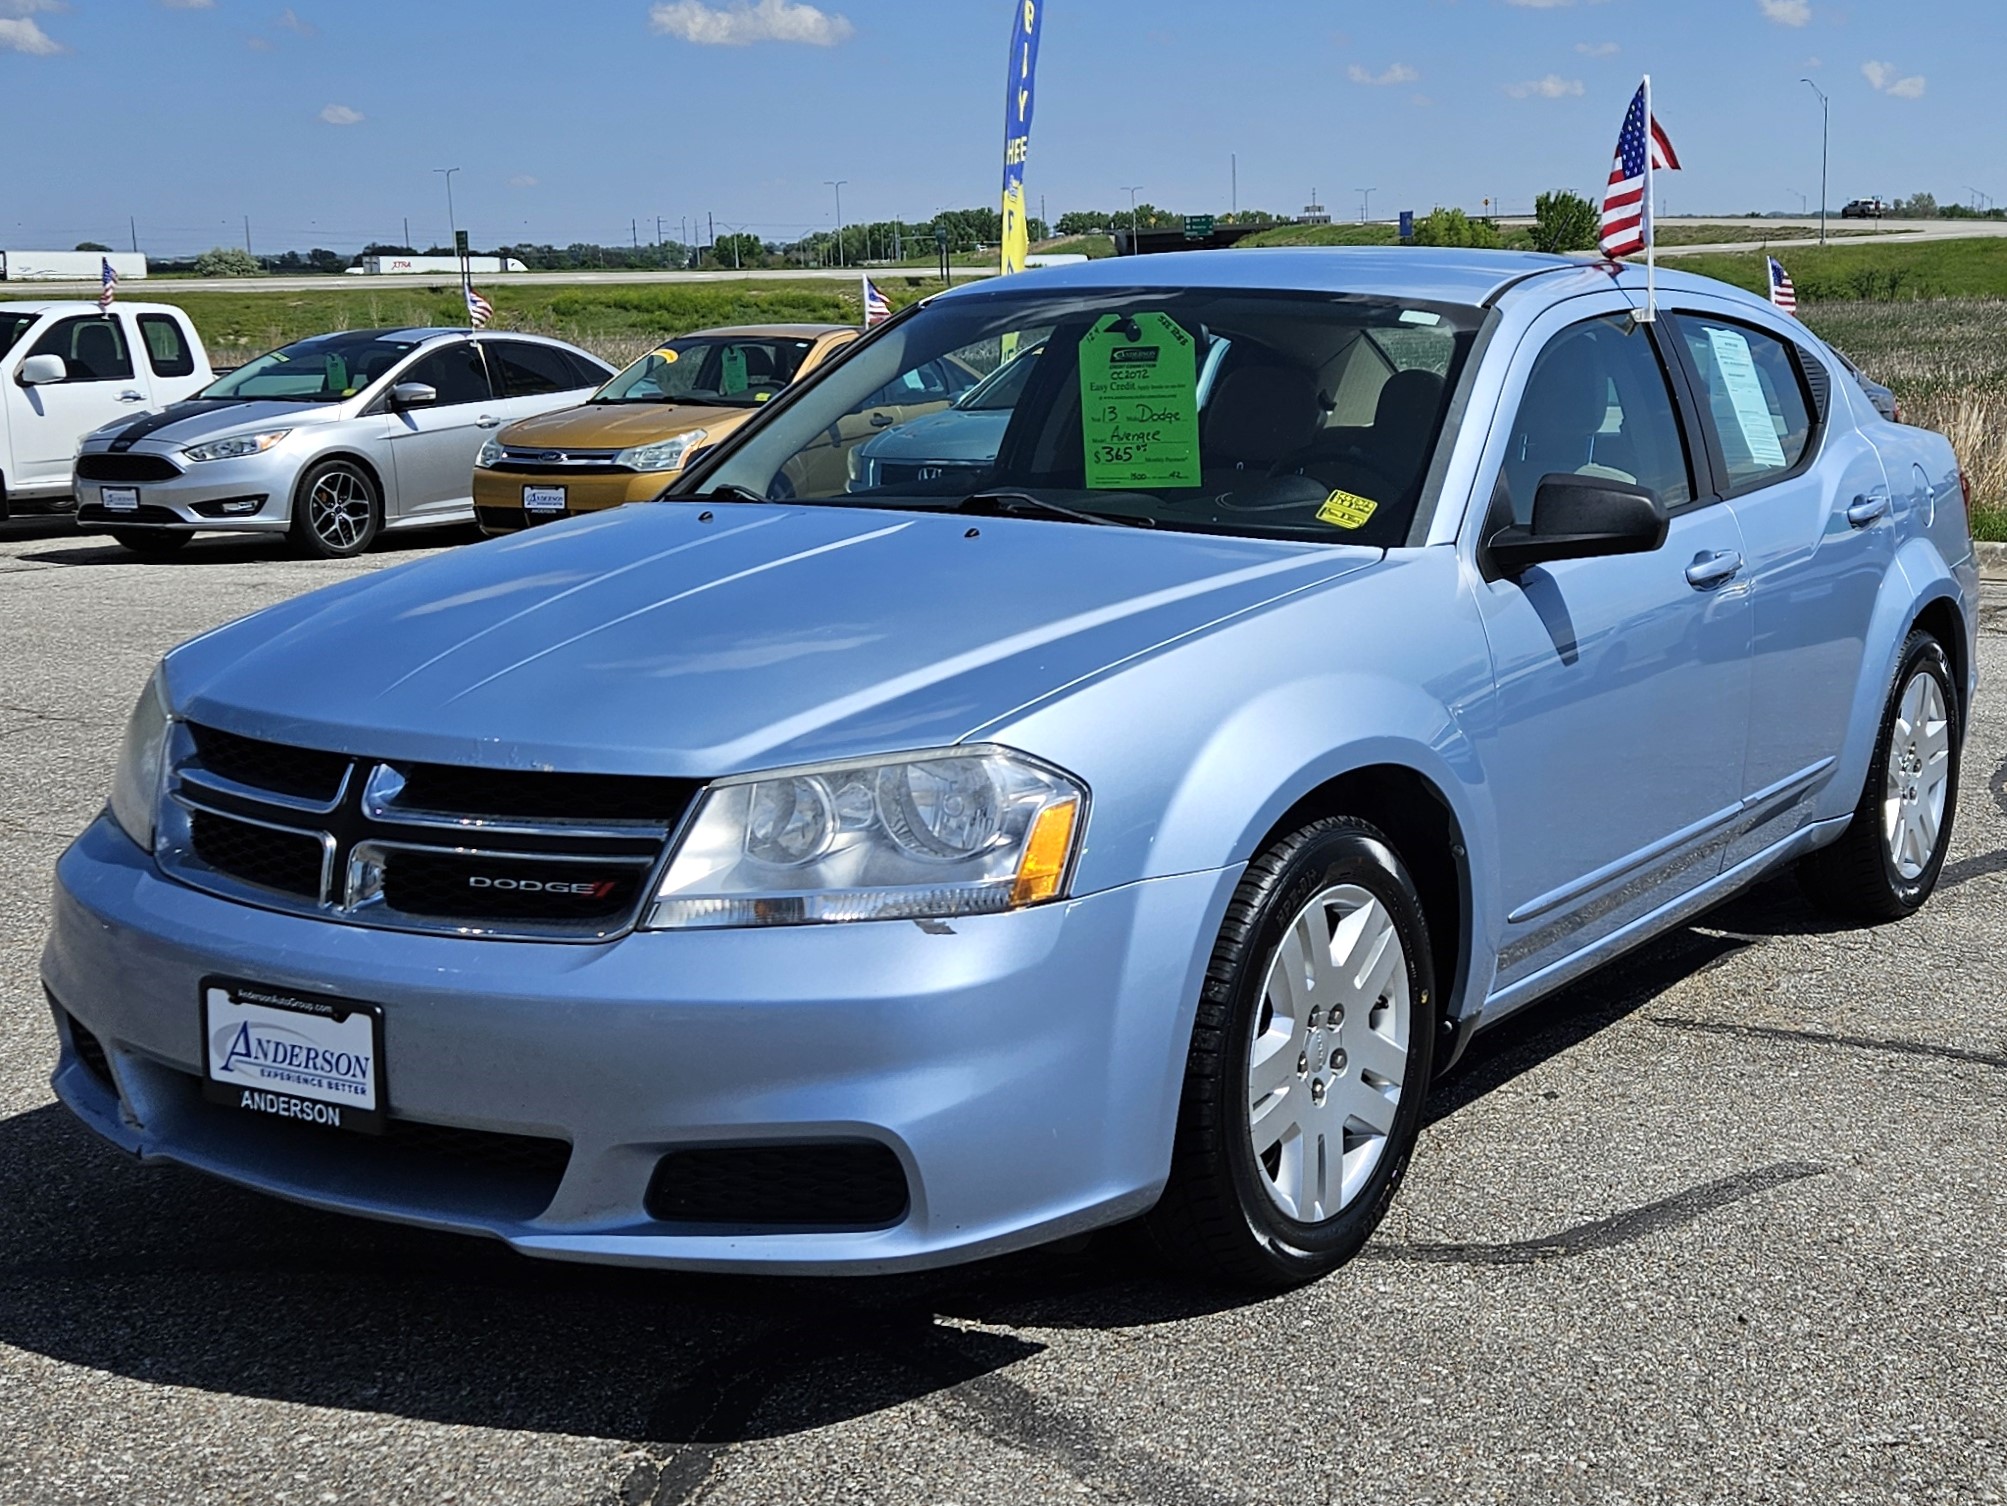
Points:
point(1919, 775)
point(339, 509)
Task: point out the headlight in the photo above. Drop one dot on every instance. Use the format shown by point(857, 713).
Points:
point(490, 456)
point(135, 791)
point(961, 831)
point(668, 455)
point(236, 445)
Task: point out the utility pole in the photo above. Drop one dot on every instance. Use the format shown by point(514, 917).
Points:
point(247, 235)
point(837, 184)
point(1132, 191)
point(658, 232)
point(452, 223)
point(407, 230)
point(1365, 205)
point(1233, 167)
point(133, 225)
point(1825, 138)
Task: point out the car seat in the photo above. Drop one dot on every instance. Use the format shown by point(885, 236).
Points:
point(1257, 415)
point(95, 354)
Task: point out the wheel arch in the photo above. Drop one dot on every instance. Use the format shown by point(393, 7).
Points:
point(353, 457)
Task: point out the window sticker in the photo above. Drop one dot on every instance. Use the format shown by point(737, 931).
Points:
point(732, 361)
point(669, 357)
point(1139, 403)
point(1347, 510)
point(1745, 394)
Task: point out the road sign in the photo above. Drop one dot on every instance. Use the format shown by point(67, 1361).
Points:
point(1198, 226)
point(1407, 225)
point(460, 241)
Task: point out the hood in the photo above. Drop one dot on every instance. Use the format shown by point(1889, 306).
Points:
point(646, 640)
point(950, 434)
point(619, 426)
point(205, 418)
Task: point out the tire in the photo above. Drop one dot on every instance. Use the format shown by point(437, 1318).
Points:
point(1230, 1211)
point(151, 543)
point(337, 511)
point(1886, 863)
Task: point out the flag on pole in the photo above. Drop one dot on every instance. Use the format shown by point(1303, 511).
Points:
point(877, 307)
point(1641, 146)
point(1020, 96)
point(108, 286)
point(479, 310)
point(1781, 292)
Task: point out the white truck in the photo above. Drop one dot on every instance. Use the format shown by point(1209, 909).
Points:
point(70, 266)
point(449, 266)
point(67, 368)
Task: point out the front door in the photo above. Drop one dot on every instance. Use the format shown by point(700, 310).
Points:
point(433, 448)
point(1614, 750)
point(47, 421)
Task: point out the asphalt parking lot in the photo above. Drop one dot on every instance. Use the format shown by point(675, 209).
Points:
point(1724, 1222)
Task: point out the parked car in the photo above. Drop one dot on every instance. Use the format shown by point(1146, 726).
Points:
point(630, 440)
point(67, 367)
point(962, 438)
point(812, 880)
point(1863, 209)
point(331, 440)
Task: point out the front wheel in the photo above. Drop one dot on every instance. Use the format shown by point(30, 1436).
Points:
point(337, 511)
point(1886, 863)
point(1309, 1063)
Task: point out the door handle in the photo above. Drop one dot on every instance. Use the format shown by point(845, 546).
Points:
point(130, 396)
point(881, 420)
point(487, 421)
point(1866, 509)
point(1710, 570)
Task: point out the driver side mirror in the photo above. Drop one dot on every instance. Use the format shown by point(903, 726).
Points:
point(42, 371)
point(413, 395)
point(1580, 517)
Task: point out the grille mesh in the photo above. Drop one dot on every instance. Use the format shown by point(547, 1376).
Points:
point(289, 862)
point(500, 794)
point(853, 1186)
point(303, 773)
point(126, 468)
point(442, 883)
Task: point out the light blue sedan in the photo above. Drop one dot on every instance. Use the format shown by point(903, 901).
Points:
point(802, 879)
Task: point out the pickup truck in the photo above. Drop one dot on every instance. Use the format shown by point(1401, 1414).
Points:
point(1864, 209)
point(66, 368)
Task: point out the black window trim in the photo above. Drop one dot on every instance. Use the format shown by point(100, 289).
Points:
point(380, 404)
point(559, 353)
point(125, 339)
point(1723, 485)
point(144, 321)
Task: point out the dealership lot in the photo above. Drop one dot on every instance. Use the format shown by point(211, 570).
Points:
point(1722, 1222)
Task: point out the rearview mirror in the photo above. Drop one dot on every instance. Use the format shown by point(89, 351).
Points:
point(1580, 517)
point(413, 395)
point(40, 371)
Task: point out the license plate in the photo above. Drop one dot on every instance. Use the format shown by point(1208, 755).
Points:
point(296, 1056)
point(543, 499)
point(119, 498)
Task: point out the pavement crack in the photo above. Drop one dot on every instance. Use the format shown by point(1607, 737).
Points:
point(1824, 1038)
point(1607, 1233)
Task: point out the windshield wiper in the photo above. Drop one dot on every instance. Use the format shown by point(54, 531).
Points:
point(1003, 500)
point(730, 492)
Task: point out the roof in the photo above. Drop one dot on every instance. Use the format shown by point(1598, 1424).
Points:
point(81, 306)
point(770, 331)
point(1438, 273)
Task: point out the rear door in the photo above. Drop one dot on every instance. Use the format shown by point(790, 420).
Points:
point(433, 448)
point(169, 361)
point(530, 378)
point(1818, 521)
point(46, 422)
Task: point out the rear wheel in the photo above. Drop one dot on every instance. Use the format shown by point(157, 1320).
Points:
point(151, 543)
point(1309, 1063)
point(1886, 863)
point(337, 511)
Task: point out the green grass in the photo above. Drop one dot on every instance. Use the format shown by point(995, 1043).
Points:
point(616, 321)
point(1325, 235)
point(1095, 246)
point(1975, 268)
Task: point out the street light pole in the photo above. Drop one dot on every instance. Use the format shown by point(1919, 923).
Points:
point(1365, 205)
point(1132, 192)
point(837, 184)
point(452, 223)
point(1825, 137)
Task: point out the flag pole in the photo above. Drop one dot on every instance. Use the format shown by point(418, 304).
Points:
point(1651, 226)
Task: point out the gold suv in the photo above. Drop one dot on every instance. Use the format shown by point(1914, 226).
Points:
point(634, 436)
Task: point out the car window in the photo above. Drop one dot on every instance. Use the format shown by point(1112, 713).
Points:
point(322, 369)
point(1597, 403)
point(526, 370)
point(1755, 398)
point(456, 372)
point(166, 352)
point(12, 328)
point(583, 372)
point(719, 371)
point(93, 349)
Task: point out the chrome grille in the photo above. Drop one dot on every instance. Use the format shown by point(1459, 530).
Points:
point(533, 461)
point(414, 846)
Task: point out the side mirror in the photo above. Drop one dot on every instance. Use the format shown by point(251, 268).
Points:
point(41, 371)
point(1580, 517)
point(413, 395)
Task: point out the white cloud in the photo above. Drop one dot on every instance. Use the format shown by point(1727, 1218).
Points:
point(741, 23)
point(1786, 12)
point(291, 22)
point(25, 36)
point(1398, 73)
point(1598, 49)
point(1882, 76)
point(29, 7)
point(341, 115)
point(522, 180)
point(189, 4)
point(1551, 87)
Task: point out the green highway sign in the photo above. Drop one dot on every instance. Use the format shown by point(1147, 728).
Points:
point(1198, 226)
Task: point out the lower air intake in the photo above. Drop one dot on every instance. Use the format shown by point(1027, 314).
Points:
point(859, 1185)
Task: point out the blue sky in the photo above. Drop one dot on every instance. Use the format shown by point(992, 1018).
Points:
point(322, 121)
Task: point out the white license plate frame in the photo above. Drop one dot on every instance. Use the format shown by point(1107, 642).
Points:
point(544, 499)
point(292, 1055)
point(119, 498)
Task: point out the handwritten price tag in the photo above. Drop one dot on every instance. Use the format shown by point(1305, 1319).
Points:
point(1139, 403)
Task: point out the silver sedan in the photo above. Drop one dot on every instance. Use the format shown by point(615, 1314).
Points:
point(332, 439)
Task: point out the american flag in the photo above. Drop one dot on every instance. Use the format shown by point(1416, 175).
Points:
point(479, 310)
point(1626, 216)
point(109, 285)
point(1781, 292)
point(877, 307)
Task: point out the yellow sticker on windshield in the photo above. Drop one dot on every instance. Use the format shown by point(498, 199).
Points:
point(1347, 510)
point(669, 357)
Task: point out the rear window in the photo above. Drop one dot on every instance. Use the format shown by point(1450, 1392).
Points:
point(526, 370)
point(1755, 398)
point(166, 352)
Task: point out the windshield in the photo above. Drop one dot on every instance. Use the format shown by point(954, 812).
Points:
point(325, 369)
point(720, 371)
point(1273, 415)
point(12, 327)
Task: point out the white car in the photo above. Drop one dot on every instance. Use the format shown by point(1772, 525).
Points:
point(67, 368)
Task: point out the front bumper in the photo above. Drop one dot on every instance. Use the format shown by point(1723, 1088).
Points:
point(498, 494)
point(1024, 1069)
point(251, 494)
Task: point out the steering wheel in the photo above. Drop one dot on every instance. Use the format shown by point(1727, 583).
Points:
point(1356, 457)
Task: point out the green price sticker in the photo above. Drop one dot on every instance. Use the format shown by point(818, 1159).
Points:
point(1139, 403)
point(733, 380)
